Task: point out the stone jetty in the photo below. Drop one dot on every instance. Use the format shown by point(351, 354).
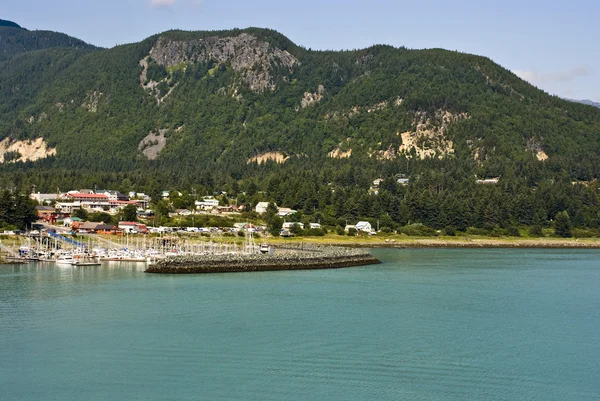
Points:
point(305, 259)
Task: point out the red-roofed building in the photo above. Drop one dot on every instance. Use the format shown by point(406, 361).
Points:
point(131, 227)
point(86, 197)
point(90, 201)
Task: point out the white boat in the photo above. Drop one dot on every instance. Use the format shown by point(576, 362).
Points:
point(65, 260)
point(85, 262)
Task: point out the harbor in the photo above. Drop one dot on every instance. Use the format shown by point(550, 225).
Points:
point(92, 249)
point(179, 254)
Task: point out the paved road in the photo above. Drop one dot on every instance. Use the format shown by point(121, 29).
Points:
point(59, 229)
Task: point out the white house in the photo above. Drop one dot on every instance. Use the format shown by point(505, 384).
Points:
point(261, 207)
point(208, 202)
point(288, 225)
point(285, 211)
point(364, 226)
point(41, 198)
point(315, 225)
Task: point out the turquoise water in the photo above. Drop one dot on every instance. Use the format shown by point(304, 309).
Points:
point(424, 325)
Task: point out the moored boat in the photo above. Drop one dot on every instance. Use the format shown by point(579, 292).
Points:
point(66, 259)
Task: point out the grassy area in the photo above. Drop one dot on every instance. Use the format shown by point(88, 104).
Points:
point(395, 240)
point(178, 67)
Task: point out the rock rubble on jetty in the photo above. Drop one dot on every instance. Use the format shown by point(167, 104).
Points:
point(313, 258)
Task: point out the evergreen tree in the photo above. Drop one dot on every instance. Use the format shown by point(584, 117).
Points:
point(562, 224)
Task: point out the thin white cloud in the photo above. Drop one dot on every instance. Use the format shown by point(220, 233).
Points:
point(538, 78)
point(162, 3)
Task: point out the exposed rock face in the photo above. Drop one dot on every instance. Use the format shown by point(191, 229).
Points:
point(277, 157)
point(310, 98)
point(358, 109)
point(389, 154)
point(252, 58)
point(153, 144)
point(535, 146)
point(377, 107)
point(91, 101)
point(339, 152)
point(429, 138)
point(25, 150)
point(152, 87)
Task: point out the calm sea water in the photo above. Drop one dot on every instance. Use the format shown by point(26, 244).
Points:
point(424, 325)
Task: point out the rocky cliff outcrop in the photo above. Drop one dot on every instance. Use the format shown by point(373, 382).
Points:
point(23, 151)
point(254, 59)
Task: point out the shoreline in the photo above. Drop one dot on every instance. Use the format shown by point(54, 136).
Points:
point(449, 242)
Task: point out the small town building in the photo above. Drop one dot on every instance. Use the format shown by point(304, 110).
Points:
point(261, 207)
point(288, 225)
point(132, 227)
point(108, 229)
point(68, 221)
point(45, 212)
point(285, 211)
point(113, 195)
point(364, 226)
point(43, 198)
point(87, 227)
point(207, 203)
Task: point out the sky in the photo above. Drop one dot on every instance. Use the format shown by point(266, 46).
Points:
point(553, 44)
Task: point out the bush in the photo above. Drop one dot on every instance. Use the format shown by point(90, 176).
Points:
point(449, 231)
point(418, 230)
point(352, 232)
point(536, 231)
point(513, 231)
point(386, 230)
point(579, 233)
point(477, 231)
point(314, 232)
point(498, 232)
point(339, 230)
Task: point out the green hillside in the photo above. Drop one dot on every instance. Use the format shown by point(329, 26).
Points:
point(16, 40)
point(10, 24)
point(223, 102)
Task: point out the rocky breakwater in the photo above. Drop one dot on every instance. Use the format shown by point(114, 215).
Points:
point(316, 258)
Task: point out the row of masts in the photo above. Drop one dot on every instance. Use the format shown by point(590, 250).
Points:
point(132, 248)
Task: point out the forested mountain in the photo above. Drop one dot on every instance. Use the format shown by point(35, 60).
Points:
point(250, 110)
point(10, 24)
point(588, 102)
point(16, 40)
